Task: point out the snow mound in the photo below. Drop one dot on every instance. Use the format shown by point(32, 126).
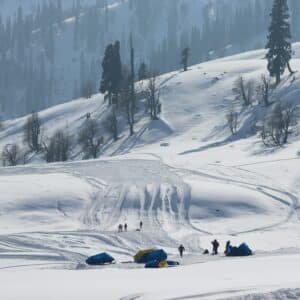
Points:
point(157, 130)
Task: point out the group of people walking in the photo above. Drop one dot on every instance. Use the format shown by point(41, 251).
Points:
point(215, 248)
point(121, 227)
point(124, 227)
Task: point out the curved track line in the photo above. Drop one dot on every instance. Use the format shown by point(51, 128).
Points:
point(256, 187)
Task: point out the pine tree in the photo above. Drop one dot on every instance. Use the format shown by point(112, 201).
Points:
point(279, 40)
point(143, 73)
point(111, 79)
point(132, 103)
point(116, 68)
point(105, 85)
point(76, 33)
point(32, 131)
point(185, 54)
point(59, 12)
point(112, 69)
point(82, 72)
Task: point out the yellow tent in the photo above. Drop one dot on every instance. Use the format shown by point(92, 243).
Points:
point(140, 254)
point(163, 264)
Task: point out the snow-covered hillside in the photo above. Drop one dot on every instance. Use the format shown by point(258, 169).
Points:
point(184, 175)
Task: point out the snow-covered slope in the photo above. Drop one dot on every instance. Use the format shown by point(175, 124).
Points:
point(184, 176)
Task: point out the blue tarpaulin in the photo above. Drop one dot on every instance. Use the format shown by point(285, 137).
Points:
point(143, 257)
point(242, 250)
point(156, 264)
point(161, 264)
point(100, 259)
point(158, 255)
point(172, 263)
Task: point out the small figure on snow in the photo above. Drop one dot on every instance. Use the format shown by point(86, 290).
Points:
point(125, 227)
point(215, 245)
point(227, 248)
point(181, 249)
point(141, 225)
point(120, 228)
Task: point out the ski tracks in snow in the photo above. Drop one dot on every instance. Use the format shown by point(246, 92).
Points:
point(275, 194)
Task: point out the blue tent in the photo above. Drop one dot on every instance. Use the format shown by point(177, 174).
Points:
point(156, 264)
point(172, 263)
point(242, 250)
point(100, 259)
point(146, 256)
point(158, 255)
point(161, 264)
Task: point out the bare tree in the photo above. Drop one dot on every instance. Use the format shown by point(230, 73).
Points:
point(89, 138)
point(153, 98)
point(272, 127)
point(278, 125)
point(289, 118)
point(232, 121)
point(185, 54)
point(113, 119)
point(244, 90)
point(58, 147)
point(127, 98)
point(110, 123)
point(11, 155)
point(32, 131)
point(264, 90)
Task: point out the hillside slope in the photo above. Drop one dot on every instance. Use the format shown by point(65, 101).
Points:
point(184, 176)
point(194, 109)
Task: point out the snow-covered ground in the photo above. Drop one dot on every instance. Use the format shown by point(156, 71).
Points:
point(184, 176)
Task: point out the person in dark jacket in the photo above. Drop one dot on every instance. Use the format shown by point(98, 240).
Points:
point(228, 248)
point(125, 227)
point(141, 225)
point(120, 228)
point(215, 245)
point(181, 249)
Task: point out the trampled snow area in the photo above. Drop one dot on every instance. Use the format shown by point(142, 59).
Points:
point(184, 176)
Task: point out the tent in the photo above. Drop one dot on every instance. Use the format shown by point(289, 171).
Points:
point(156, 264)
point(161, 264)
point(242, 250)
point(172, 263)
point(150, 255)
point(100, 259)
point(140, 256)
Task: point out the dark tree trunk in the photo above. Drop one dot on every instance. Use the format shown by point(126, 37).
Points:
point(289, 68)
point(278, 78)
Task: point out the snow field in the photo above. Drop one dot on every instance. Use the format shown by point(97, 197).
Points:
point(184, 176)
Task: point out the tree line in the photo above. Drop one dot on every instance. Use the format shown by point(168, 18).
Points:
point(31, 44)
point(119, 86)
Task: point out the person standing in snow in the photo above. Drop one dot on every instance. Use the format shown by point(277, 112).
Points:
point(181, 249)
point(228, 248)
point(215, 245)
point(141, 225)
point(120, 228)
point(125, 227)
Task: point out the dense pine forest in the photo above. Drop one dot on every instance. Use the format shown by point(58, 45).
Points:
point(53, 54)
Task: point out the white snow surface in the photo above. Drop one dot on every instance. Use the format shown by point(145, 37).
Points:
point(184, 176)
